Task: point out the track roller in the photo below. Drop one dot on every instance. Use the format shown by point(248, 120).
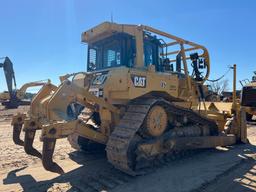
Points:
point(47, 156)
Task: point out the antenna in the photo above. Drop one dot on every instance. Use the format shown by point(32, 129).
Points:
point(111, 15)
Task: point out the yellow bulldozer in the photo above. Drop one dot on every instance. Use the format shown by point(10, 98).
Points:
point(141, 99)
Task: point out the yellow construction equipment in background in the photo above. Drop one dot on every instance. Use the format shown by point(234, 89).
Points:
point(248, 99)
point(19, 95)
point(142, 98)
point(15, 97)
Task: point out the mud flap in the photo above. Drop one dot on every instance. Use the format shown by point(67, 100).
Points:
point(28, 144)
point(16, 134)
point(47, 156)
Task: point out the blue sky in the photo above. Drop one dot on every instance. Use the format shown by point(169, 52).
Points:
point(42, 38)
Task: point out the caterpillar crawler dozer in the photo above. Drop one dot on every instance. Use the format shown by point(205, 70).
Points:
point(139, 99)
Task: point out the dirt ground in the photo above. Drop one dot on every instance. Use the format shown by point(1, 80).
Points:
point(221, 169)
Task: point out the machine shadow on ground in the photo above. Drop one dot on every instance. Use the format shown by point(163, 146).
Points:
point(241, 177)
point(97, 174)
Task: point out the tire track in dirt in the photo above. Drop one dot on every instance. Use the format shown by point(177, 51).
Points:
point(21, 172)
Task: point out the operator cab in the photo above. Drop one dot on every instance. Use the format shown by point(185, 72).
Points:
point(112, 45)
point(120, 50)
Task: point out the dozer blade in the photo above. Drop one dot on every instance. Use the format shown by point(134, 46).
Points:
point(28, 144)
point(47, 156)
point(16, 134)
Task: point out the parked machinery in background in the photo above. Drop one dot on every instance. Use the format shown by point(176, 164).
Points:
point(248, 99)
point(15, 97)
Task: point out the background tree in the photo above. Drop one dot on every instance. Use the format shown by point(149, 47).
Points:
point(219, 86)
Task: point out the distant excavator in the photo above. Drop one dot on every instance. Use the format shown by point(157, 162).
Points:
point(14, 97)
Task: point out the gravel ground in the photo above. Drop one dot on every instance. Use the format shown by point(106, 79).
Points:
point(221, 169)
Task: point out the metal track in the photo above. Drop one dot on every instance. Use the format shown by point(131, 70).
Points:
point(123, 141)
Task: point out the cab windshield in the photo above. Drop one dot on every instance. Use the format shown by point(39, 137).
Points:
point(117, 50)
